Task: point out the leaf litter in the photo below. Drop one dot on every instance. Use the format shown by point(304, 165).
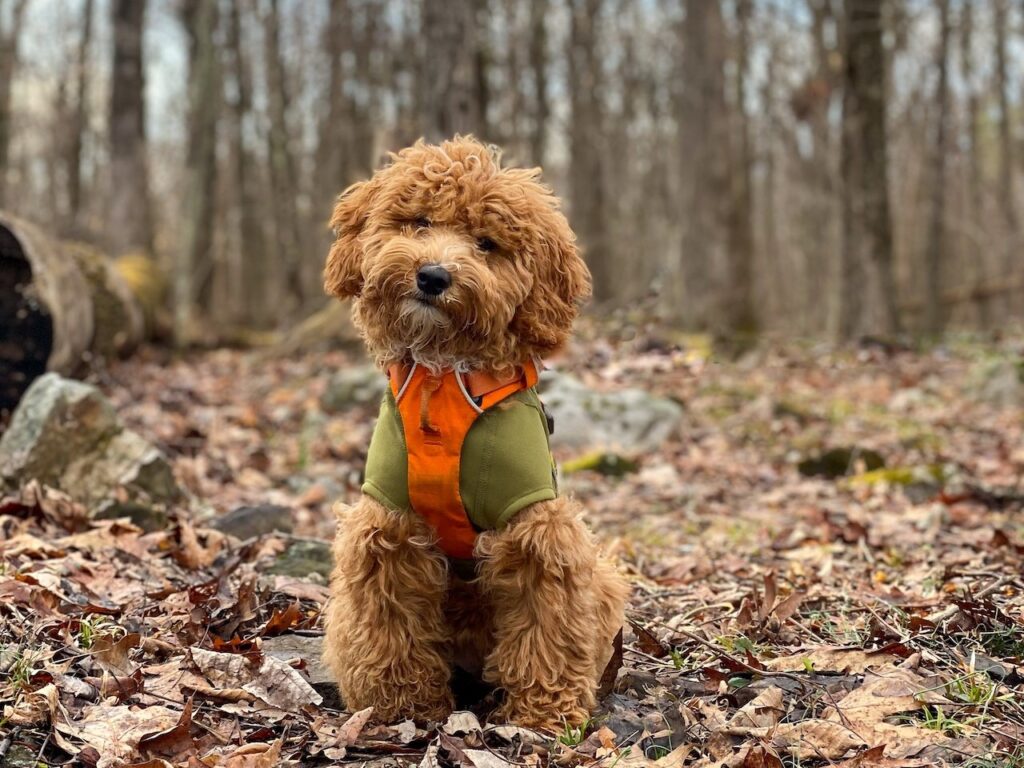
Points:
point(870, 618)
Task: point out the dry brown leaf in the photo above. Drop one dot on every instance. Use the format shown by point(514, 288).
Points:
point(815, 739)
point(853, 661)
point(115, 731)
point(885, 693)
point(461, 722)
point(175, 742)
point(112, 654)
point(273, 682)
point(763, 711)
point(875, 758)
point(634, 757)
point(258, 755)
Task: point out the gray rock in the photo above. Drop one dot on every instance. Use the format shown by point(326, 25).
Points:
point(630, 420)
point(1001, 382)
point(66, 434)
point(304, 557)
point(259, 520)
point(56, 420)
point(309, 648)
point(362, 385)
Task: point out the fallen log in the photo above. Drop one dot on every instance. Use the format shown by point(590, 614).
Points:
point(61, 305)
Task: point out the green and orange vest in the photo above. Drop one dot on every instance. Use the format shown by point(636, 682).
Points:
point(465, 451)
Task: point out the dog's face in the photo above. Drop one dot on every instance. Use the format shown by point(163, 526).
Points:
point(452, 259)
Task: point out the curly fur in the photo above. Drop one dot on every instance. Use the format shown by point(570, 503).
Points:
point(539, 621)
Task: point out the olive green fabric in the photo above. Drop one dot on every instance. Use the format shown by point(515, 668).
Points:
point(505, 466)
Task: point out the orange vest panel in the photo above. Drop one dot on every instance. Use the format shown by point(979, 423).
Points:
point(437, 413)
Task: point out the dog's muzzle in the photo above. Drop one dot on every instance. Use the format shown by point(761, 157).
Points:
point(433, 279)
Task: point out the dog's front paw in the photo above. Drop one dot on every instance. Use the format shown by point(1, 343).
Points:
point(541, 713)
point(397, 704)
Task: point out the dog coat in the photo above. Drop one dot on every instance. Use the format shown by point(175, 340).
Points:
point(463, 451)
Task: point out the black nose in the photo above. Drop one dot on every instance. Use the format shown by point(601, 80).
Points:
point(433, 279)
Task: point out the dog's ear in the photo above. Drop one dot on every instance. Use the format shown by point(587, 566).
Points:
point(562, 282)
point(343, 275)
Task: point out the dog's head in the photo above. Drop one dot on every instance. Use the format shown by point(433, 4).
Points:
point(452, 259)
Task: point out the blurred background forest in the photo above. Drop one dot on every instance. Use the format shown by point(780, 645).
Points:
point(805, 167)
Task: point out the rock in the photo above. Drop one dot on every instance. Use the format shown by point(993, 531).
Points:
point(66, 434)
point(303, 557)
point(148, 518)
point(247, 522)
point(632, 421)
point(836, 462)
point(308, 648)
point(1001, 382)
point(56, 420)
point(362, 385)
point(620, 715)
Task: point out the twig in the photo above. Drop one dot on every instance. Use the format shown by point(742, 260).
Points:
point(936, 617)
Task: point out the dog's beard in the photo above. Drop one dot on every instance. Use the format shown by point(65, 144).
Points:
point(464, 325)
point(425, 330)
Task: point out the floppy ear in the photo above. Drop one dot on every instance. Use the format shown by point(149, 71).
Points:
point(343, 272)
point(562, 283)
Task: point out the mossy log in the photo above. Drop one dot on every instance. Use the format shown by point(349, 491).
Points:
point(61, 304)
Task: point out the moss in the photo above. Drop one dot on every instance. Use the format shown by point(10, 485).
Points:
point(608, 464)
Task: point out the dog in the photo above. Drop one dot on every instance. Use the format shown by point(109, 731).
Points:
point(463, 275)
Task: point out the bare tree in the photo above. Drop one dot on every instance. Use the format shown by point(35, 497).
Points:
point(976, 257)
point(740, 315)
point(586, 144)
point(934, 263)
point(703, 122)
point(1007, 198)
point(194, 275)
point(79, 119)
point(255, 272)
point(449, 88)
point(8, 67)
point(866, 299)
point(541, 107)
point(283, 170)
point(130, 219)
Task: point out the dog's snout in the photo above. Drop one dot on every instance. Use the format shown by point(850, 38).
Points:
point(433, 279)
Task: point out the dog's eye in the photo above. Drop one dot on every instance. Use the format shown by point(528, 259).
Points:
point(486, 245)
point(421, 222)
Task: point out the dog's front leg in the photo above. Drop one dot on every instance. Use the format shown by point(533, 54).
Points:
point(385, 627)
point(555, 610)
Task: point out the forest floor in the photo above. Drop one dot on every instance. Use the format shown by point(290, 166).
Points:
point(793, 602)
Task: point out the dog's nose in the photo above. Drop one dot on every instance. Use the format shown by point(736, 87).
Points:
point(433, 279)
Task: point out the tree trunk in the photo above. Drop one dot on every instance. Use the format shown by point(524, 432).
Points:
point(819, 215)
point(934, 265)
point(283, 171)
point(194, 275)
point(539, 73)
point(449, 87)
point(130, 222)
point(255, 272)
point(866, 300)
point(79, 120)
point(587, 146)
point(9, 39)
point(741, 318)
point(976, 257)
point(1007, 164)
point(703, 122)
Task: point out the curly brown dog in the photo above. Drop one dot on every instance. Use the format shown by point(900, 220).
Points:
point(464, 274)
